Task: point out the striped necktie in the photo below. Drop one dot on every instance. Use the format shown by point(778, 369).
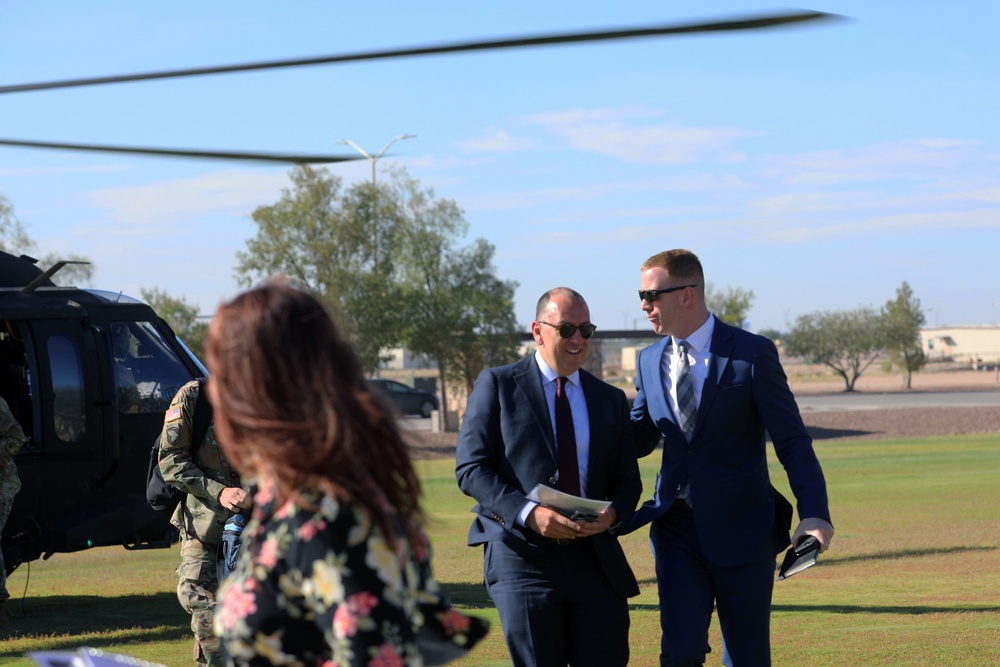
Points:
point(686, 408)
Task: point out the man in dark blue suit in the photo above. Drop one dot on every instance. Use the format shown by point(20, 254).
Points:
point(714, 392)
point(560, 585)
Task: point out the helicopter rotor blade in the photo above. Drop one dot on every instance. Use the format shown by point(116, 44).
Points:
point(244, 156)
point(457, 47)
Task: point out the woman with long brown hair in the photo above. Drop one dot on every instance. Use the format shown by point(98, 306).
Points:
point(335, 567)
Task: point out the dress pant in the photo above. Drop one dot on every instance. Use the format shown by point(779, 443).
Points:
point(690, 588)
point(556, 605)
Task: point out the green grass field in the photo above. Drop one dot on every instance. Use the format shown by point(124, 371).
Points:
point(913, 577)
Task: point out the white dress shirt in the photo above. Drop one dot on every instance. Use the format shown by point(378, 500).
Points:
point(581, 421)
point(699, 345)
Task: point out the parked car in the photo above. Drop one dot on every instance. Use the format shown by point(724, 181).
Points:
point(407, 400)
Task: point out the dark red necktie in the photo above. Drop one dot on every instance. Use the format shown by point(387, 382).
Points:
point(569, 470)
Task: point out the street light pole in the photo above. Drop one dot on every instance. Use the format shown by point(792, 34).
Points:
point(374, 158)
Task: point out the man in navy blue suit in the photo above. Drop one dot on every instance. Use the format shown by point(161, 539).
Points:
point(714, 393)
point(560, 585)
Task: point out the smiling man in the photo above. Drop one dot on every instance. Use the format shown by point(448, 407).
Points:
point(560, 585)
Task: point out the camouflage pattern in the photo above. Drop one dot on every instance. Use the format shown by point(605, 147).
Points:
point(196, 592)
point(11, 441)
point(200, 518)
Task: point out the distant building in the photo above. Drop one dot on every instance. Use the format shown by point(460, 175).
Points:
point(974, 344)
point(402, 359)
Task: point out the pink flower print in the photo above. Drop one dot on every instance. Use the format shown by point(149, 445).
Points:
point(345, 623)
point(268, 556)
point(362, 603)
point(454, 622)
point(307, 531)
point(285, 510)
point(386, 657)
point(237, 604)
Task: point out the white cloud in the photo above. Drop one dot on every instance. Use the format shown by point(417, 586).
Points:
point(616, 132)
point(496, 140)
point(221, 192)
point(915, 160)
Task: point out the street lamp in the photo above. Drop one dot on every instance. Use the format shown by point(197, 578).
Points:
point(371, 158)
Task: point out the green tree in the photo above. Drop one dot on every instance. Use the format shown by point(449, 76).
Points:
point(387, 258)
point(901, 320)
point(846, 341)
point(14, 239)
point(182, 317)
point(462, 314)
point(731, 306)
point(459, 313)
point(773, 334)
point(340, 244)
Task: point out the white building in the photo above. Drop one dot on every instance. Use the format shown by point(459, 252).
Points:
point(974, 344)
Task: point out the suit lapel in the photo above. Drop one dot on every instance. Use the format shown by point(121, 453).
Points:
point(719, 354)
point(655, 384)
point(596, 419)
point(528, 380)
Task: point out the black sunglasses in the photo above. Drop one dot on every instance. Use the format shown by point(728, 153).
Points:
point(567, 330)
point(651, 295)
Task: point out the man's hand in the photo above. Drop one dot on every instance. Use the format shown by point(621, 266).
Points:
point(605, 520)
point(818, 528)
point(552, 524)
point(234, 499)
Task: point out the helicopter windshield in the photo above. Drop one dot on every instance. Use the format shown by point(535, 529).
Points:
point(147, 370)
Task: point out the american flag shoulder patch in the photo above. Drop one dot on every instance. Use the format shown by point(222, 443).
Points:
point(174, 413)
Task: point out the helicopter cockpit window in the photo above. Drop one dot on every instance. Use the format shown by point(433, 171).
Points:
point(67, 389)
point(147, 370)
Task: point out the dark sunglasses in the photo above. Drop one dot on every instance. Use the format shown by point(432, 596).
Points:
point(651, 295)
point(567, 330)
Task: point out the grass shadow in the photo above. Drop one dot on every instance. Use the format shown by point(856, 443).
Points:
point(470, 596)
point(156, 617)
point(821, 433)
point(904, 553)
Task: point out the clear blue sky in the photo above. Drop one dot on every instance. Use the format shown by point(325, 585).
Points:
point(819, 166)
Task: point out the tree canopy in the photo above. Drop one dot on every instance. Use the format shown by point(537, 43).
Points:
point(901, 321)
point(846, 341)
point(181, 316)
point(387, 258)
point(730, 305)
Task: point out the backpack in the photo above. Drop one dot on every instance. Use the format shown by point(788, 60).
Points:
point(160, 495)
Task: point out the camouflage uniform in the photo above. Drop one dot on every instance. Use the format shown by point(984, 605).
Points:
point(11, 440)
point(200, 518)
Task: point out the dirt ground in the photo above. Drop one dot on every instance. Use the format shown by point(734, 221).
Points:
point(825, 425)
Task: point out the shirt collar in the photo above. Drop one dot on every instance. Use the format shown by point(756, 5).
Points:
point(550, 375)
point(701, 339)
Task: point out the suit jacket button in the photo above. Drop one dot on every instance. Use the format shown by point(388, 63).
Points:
point(552, 480)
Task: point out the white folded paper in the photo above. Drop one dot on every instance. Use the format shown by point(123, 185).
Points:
point(572, 506)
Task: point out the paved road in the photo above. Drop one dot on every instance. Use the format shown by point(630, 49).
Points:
point(887, 401)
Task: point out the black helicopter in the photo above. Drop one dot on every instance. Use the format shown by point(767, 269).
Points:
point(88, 374)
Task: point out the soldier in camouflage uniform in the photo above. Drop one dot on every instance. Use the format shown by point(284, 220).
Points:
point(11, 440)
point(213, 495)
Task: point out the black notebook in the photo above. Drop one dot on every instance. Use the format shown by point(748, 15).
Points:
point(799, 557)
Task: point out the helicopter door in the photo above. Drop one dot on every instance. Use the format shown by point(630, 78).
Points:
point(68, 385)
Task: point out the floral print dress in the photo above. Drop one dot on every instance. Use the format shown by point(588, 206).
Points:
point(323, 588)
